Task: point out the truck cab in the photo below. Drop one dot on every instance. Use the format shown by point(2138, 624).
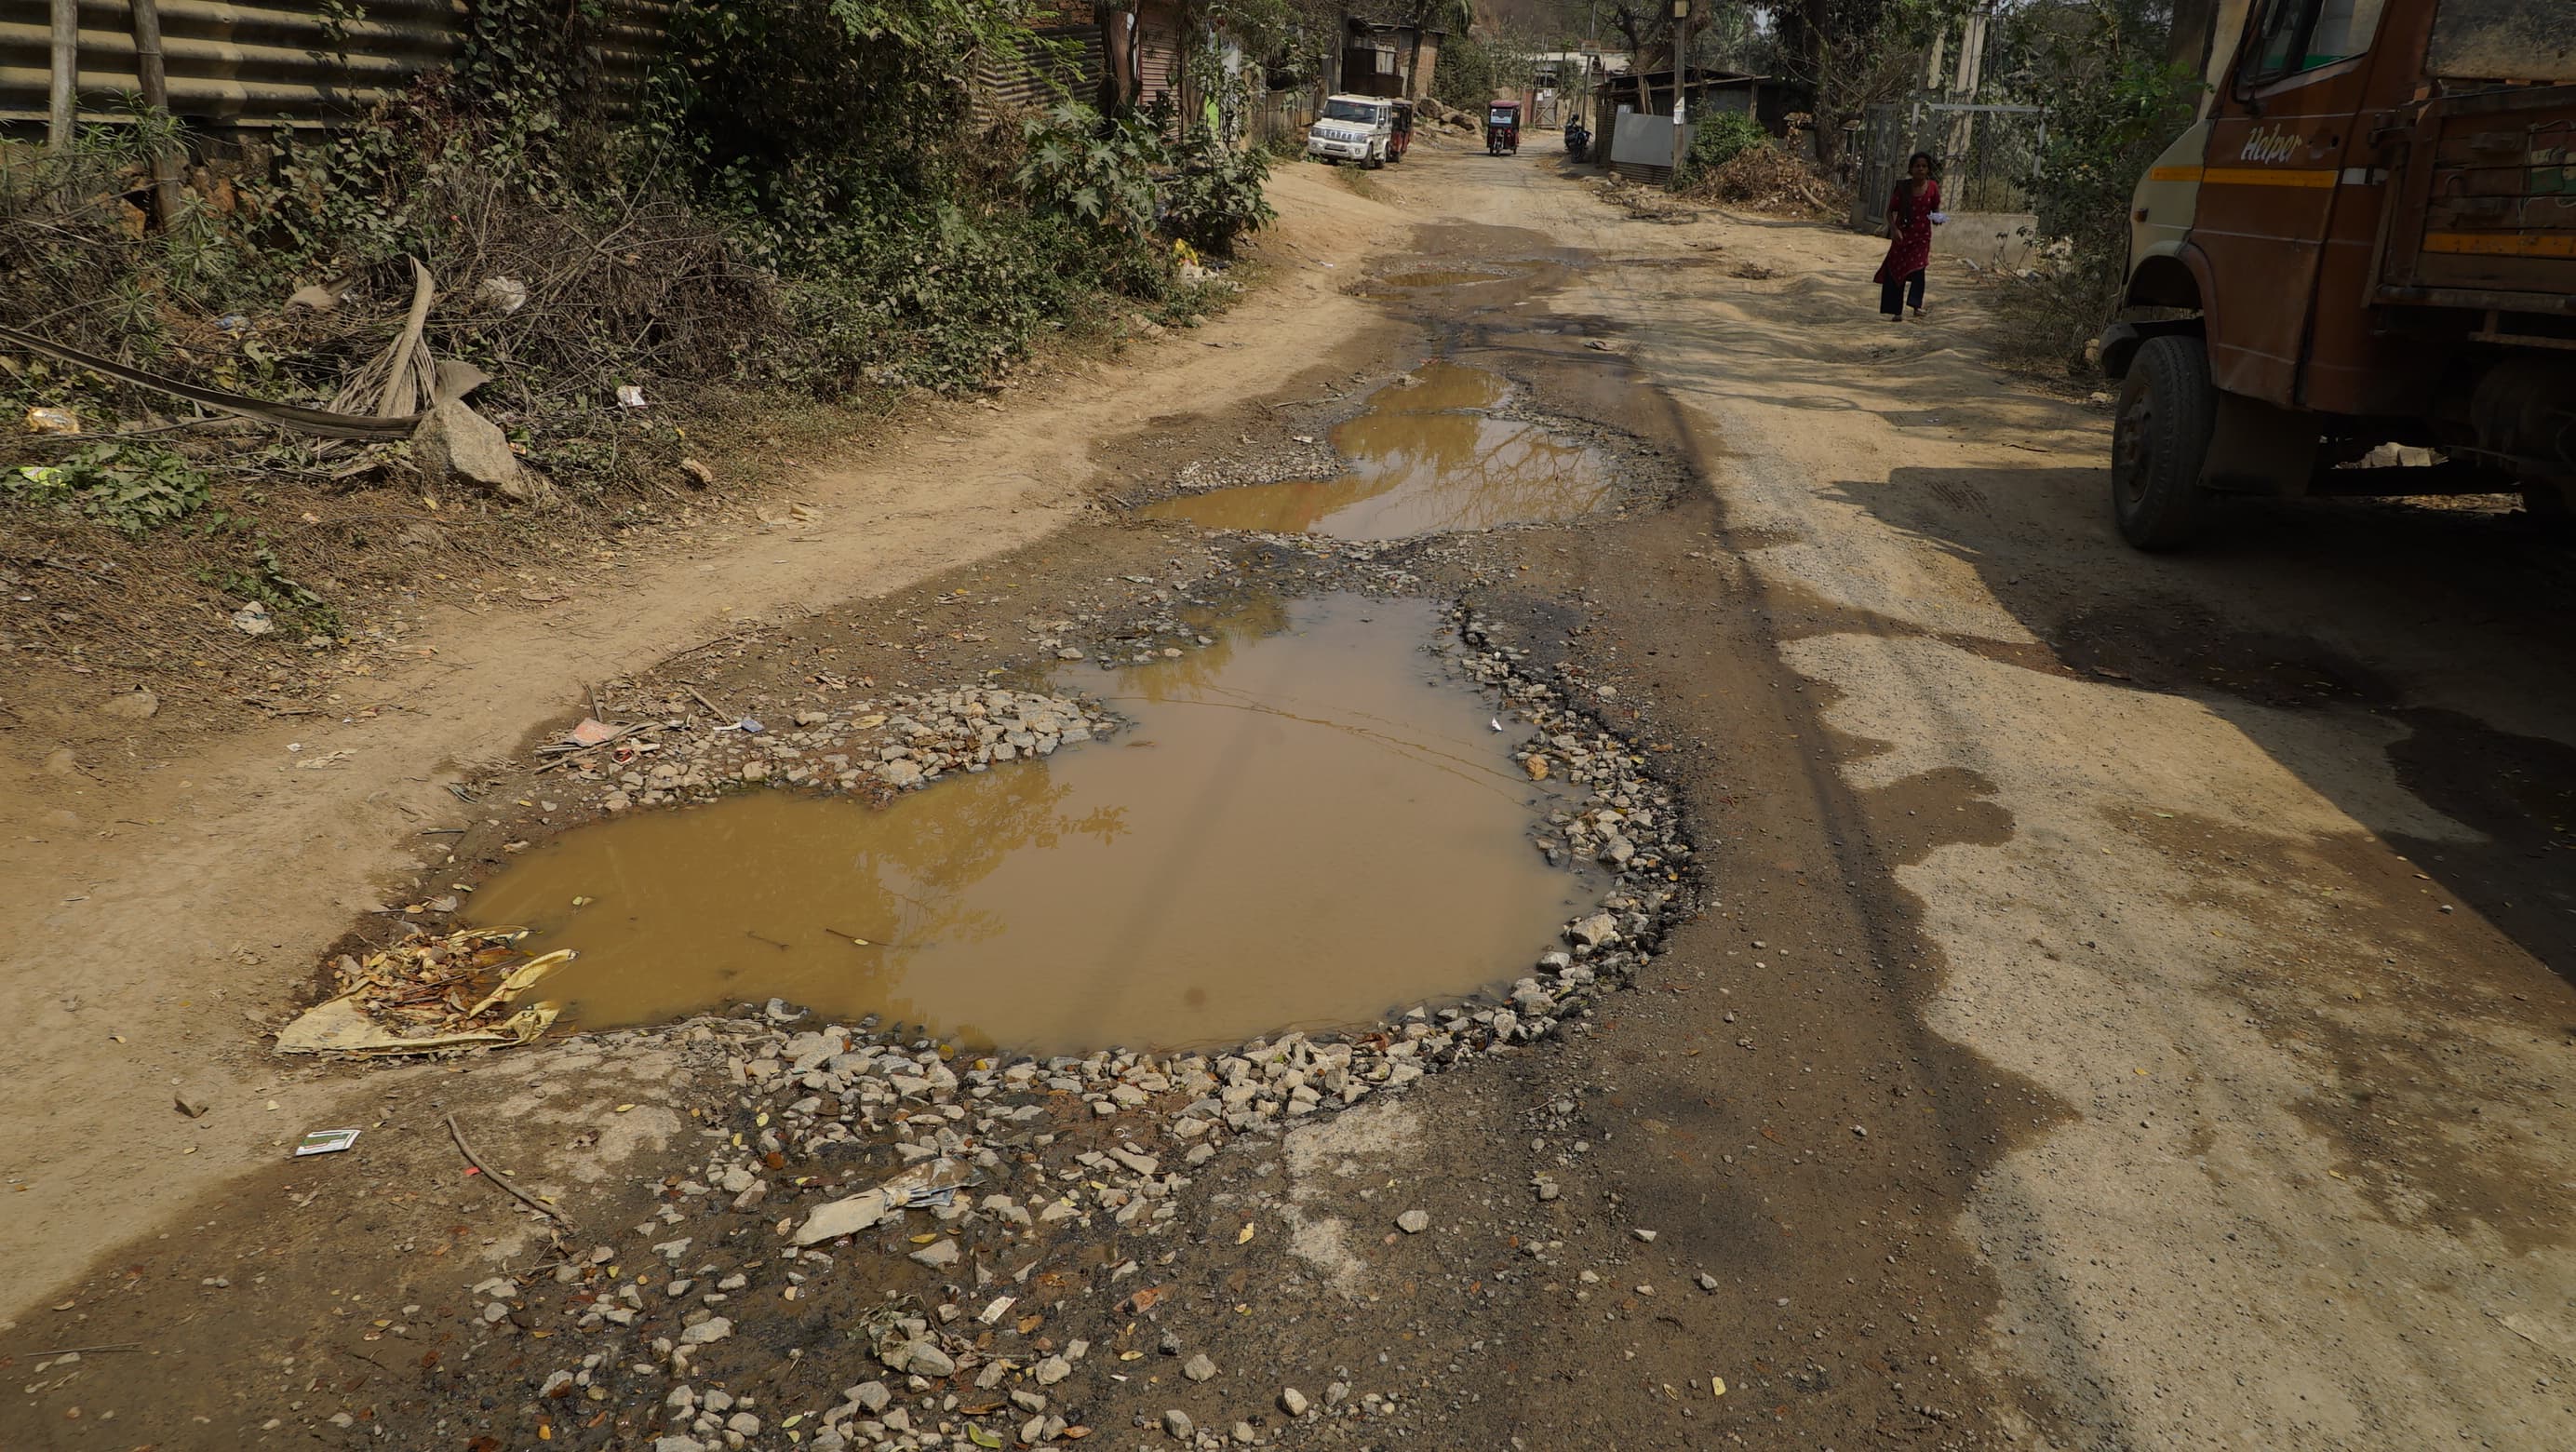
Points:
point(1353, 128)
point(2367, 239)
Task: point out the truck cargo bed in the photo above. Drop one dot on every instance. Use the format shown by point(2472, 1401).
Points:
point(2486, 203)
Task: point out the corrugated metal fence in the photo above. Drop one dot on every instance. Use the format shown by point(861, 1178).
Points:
point(1052, 62)
point(1985, 155)
point(281, 61)
point(1275, 115)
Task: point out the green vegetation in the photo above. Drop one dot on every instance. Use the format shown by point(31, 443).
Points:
point(1474, 69)
point(793, 206)
point(1717, 139)
point(2113, 105)
point(796, 199)
point(129, 486)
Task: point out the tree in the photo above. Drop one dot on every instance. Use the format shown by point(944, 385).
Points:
point(1854, 54)
point(1122, 77)
point(1457, 17)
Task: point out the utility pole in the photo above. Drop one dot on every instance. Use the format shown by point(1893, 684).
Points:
point(1681, 84)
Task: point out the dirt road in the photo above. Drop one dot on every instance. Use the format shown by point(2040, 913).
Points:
point(2122, 1001)
point(163, 903)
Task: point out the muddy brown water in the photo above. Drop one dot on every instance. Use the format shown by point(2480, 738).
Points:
point(1306, 825)
point(1439, 278)
point(1426, 456)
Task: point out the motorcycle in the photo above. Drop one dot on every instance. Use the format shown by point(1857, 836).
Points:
point(1577, 140)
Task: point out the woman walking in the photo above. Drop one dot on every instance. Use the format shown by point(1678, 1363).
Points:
point(1913, 210)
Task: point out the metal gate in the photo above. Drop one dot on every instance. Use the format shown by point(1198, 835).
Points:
point(1986, 155)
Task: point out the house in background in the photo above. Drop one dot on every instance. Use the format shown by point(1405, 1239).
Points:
point(1377, 54)
point(1633, 113)
point(1563, 82)
point(1061, 50)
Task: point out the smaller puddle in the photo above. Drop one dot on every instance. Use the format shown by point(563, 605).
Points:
point(1307, 825)
point(1426, 457)
point(1411, 280)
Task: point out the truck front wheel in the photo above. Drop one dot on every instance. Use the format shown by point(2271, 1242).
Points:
point(2159, 442)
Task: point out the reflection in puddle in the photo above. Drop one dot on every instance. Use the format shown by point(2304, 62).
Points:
point(1425, 457)
point(1304, 828)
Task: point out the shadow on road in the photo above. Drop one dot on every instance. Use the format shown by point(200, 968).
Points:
point(2433, 631)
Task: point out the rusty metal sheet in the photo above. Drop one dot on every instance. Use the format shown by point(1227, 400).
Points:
point(1050, 62)
point(280, 61)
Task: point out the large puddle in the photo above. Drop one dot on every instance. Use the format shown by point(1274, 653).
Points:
point(1426, 456)
point(1308, 824)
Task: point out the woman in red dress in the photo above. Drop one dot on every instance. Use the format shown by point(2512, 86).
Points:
point(1913, 210)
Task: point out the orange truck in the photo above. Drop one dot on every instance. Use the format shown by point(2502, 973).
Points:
point(2368, 240)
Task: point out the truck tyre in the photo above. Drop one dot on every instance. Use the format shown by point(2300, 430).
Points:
point(2159, 442)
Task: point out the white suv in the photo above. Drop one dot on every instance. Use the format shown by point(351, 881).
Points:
point(1353, 128)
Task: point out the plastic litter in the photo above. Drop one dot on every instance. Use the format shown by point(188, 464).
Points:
point(325, 1142)
point(431, 994)
point(321, 297)
point(52, 421)
point(931, 1183)
point(503, 295)
point(629, 396)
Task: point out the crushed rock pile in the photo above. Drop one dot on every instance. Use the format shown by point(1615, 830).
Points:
point(899, 744)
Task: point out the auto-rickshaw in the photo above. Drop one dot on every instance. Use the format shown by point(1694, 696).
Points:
point(1401, 134)
point(1502, 127)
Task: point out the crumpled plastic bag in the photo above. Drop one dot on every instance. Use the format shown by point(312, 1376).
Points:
point(932, 1182)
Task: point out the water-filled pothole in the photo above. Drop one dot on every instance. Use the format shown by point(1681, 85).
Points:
point(1438, 278)
point(1426, 456)
point(1302, 828)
